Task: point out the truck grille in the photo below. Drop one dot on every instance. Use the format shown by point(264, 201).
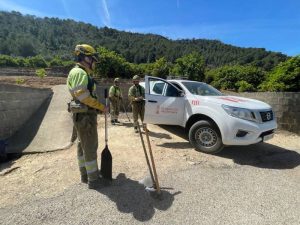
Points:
point(266, 116)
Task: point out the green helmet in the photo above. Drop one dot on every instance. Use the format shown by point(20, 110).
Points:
point(116, 80)
point(87, 50)
point(136, 78)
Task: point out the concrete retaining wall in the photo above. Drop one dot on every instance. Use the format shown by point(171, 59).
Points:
point(286, 106)
point(17, 104)
point(107, 83)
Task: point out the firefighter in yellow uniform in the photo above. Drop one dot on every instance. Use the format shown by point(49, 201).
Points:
point(84, 107)
point(115, 97)
point(136, 95)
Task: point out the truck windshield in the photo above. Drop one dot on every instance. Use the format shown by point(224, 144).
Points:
point(202, 89)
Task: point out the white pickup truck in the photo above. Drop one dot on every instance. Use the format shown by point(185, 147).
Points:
point(212, 119)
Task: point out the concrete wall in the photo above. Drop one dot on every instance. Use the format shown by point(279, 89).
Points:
point(285, 104)
point(17, 104)
point(107, 83)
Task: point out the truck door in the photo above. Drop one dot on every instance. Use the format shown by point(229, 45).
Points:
point(164, 102)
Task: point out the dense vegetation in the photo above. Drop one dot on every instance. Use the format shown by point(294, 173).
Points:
point(30, 36)
point(27, 41)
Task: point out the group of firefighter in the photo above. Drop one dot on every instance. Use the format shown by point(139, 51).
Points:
point(136, 95)
point(85, 107)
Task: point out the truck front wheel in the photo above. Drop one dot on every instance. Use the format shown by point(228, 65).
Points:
point(205, 137)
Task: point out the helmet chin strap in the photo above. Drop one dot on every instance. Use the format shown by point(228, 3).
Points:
point(88, 65)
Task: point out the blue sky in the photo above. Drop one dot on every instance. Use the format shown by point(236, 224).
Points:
point(270, 24)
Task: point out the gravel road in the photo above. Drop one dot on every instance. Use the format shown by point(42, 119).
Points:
point(256, 184)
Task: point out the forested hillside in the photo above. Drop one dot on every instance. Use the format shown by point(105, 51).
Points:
point(30, 36)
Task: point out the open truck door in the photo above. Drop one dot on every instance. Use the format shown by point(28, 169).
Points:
point(164, 102)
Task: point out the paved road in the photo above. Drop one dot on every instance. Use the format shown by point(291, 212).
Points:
point(201, 195)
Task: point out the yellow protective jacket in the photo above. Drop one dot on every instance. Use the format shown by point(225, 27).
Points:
point(135, 92)
point(115, 93)
point(83, 87)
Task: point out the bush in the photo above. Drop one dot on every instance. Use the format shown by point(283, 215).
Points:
point(244, 86)
point(7, 61)
point(20, 81)
point(37, 62)
point(227, 77)
point(191, 65)
point(41, 73)
point(56, 61)
point(284, 77)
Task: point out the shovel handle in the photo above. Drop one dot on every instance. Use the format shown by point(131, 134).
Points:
point(123, 104)
point(152, 159)
point(105, 93)
point(105, 115)
point(146, 155)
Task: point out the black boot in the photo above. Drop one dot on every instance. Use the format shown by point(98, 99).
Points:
point(113, 122)
point(95, 184)
point(84, 179)
point(136, 129)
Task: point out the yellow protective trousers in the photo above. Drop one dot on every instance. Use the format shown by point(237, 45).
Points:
point(86, 128)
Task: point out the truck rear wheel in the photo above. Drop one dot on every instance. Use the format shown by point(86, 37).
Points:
point(205, 137)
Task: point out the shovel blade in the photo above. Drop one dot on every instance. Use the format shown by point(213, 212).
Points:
point(106, 164)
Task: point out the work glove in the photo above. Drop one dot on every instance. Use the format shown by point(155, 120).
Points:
point(138, 99)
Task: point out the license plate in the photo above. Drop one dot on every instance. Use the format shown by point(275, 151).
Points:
point(268, 137)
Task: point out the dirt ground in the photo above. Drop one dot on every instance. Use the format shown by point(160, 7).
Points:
point(45, 175)
point(36, 176)
point(31, 81)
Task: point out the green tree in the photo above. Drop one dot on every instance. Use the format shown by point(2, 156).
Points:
point(113, 65)
point(284, 77)
point(161, 68)
point(192, 66)
point(227, 77)
point(26, 48)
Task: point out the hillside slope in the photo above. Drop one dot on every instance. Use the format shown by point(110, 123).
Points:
point(28, 36)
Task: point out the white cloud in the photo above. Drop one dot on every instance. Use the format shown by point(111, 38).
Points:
point(66, 8)
point(106, 15)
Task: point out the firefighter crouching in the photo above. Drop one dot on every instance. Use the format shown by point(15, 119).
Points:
point(84, 107)
point(136, 95)
point(115, 98)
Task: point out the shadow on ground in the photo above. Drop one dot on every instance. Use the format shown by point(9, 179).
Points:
point(176, 145)
point(8, 166)
point(262, 155)
point(177, 130)
point(128, 124)
point(131, 197)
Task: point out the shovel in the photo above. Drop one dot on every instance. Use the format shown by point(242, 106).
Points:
point(157, 187)
point(125, 110)
point(155, 190)
point(146, 155)
point(106, 158)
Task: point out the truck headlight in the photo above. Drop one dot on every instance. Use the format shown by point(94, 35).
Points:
point(241, 113)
